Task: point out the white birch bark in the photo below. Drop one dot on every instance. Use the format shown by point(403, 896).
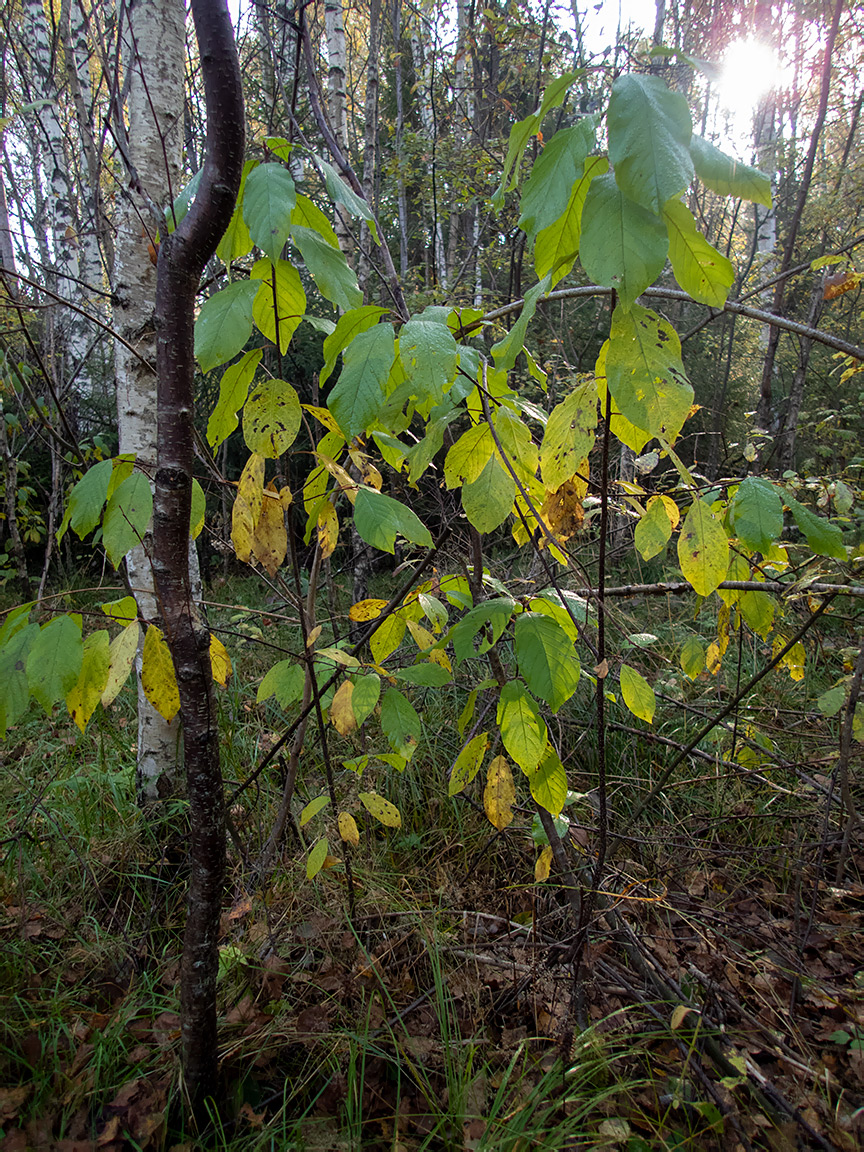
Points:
point(337, 101)
point(57, 194)
point(152, 46)
point(423, 70)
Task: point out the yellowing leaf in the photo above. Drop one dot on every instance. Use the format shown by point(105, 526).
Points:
point(678, 1015)
point(124, 611)
point(250, 486)
point(366, 610)
point(703, 549)
point(270, 540)
point(316, 858)
point(381, 809)
point(345, 482)
point(468, 763)
point(82, 700)
point(157, 675)
point(637, 693)
point(387, 639)
point(313, 808)
point(220, 661)
point(242, 529)
point(348, 829)
point(328, 529)
point(692, 657)
point(341, 710)
point(423, 638)
point(793, 661)
point(499, 793)
point(543, 866)
point(121, 655)
point(713, 658)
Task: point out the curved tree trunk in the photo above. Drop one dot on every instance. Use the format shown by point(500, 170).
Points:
point(182, 257)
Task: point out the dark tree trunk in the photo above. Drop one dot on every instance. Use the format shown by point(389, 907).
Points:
point(182, 257)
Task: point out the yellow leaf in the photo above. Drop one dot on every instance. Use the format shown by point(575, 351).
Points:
point(713, 658)
point(381, 809)
point(678, 1015)
point(251, 485)
point(348, 829)
point(313, 635)
point(242, 529)
point(157, 675)
point(672, 510)
point(121, 655)
point(439, 656)
point(794, 659)
point(270, 541)
point(324, 416)
point(328, 529)
point(83, 698)
point(366, 610)
point(388, 638)
point(499, 793)
point(285, 498)
point(343, 479)
point(423, 638)
point(543, 866)
point(368, 471)
point(341, 711)
point(220, 661)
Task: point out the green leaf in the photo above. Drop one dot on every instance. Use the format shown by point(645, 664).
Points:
point(428, 675)
point(692, 657)
point(523, 729)
point(400, 723)
point(340, 193)
point(494, 613)
point(429, 354)
point(488, 500)
point(349, 325)
point(728, 177)
point(637, 694)
point(307, 214)
point(548, 662)
point(653, 531)
point(268, 201)
point(224, 324)
point(508, 347)
point(329, 269)
point(236, 241)
point(14, 620)
point(699, 268)
point(549, 783)
point(468, 456)
point(557, 245)
point(758, 609)
point(547, 190)
point(54, 660)
point(468, 763)
point(233, 389)
point(289, 304)
point(367, 690)
point(14, 686)
point(285, 681)
point(358, 394)
point(87, 499)
point(824, 538)
point(703, 549)
point(522, 132)
point(271, 418)
point(649, 131)
point(313, 808)
point(316, 858)
point(127, 516)
point(756, 514)
point(569, 435)
point(830, 702)
point(623, 245)
point(379, 519)
point(645, 373)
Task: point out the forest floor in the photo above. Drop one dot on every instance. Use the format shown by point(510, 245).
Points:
point(719, 1004)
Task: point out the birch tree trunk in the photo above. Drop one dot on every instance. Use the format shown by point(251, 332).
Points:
point(370, 146)
point(337, 103)
point(152, 47)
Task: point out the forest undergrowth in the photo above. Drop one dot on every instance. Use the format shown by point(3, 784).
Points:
point(719, 1003)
